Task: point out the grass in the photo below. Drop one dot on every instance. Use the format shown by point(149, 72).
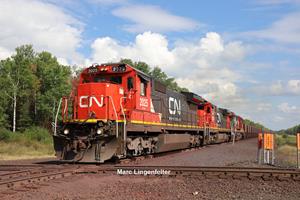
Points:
point(34, 142)
point(284, 139)
point(286, 150)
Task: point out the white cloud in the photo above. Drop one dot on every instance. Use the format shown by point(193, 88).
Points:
point(262, 107)
point(4, 53)
point(286, 108)
point(205, 67)
point(212, 43)
point(291, 87)
point(153, 18)
point(294, 86)
point(151, 48)
point(279, 88)
point(234, 51)
point(284, 30)
point(278, 119)
point(44, 25)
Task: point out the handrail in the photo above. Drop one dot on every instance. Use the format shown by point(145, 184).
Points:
point(124, 128)
point(65, 109)
point(117, 125)
point(56, 116)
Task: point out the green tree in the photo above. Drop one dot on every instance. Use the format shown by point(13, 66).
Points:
point(4, 101)
point(54, 82)
point(34, 83)
point(256, 124)
point(142, 66)
point(170, 82)
point(16, 76)
point(290, 131)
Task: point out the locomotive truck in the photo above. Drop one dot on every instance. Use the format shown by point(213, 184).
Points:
point(118, 111)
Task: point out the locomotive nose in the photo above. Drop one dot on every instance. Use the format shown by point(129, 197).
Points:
point(97, 101)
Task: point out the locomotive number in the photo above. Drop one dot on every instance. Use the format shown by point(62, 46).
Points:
point(92, 70)
point(144, 102)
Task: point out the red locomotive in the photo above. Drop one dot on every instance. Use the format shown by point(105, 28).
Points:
point(119, 111)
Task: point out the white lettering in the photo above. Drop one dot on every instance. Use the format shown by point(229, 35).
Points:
point(144, 102)
point(143, 172)
point(83, 101)
point(174, 106)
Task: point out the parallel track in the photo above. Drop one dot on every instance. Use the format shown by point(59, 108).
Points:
point(210, 172)
point(19, 175)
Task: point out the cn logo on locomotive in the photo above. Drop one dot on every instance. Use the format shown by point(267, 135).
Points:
point(144, 102)
point(83, 101)
point(174, 106)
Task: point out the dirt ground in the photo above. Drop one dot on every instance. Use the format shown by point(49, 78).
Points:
point(95, 186)
point(136, 187)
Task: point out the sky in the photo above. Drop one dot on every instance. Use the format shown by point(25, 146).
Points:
point(241, 55)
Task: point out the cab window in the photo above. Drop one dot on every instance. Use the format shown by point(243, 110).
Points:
point(143, 89)
point(99, 79)
point(143, 86)
point(208, 110)
point(129, 83)
point(200, 107)
point(116, 79)
point(113, 79)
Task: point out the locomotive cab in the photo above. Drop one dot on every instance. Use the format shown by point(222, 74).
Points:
point(207, 115)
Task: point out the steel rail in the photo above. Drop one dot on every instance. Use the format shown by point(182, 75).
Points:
point(207, 172)
point(34, 176)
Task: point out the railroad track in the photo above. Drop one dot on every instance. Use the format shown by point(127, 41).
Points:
point(12, 176)
point(266, 174)
point(22, 175)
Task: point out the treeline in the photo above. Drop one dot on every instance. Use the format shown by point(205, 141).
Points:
point(31, 85)
point(290, 131)
point(256, 125)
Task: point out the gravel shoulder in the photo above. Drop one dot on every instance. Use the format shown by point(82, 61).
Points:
point(242, 153)
point(138, 187)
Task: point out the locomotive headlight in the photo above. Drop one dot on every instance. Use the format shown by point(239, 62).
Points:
point(99, 131)
point(66, 131)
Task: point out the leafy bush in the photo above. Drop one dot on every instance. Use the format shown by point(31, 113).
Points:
point(284, 139)
point(34, 141)
point(5, 135)
point(38, 134)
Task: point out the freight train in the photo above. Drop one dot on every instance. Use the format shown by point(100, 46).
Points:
point(118, 111)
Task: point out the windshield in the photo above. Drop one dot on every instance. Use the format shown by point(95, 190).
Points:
point(99, 79)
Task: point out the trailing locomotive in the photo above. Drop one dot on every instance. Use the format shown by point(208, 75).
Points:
point(119, 111)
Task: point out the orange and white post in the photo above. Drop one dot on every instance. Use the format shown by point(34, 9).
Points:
point(268, 144)
point(266, 153)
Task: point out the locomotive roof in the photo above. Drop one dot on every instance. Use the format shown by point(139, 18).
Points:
point(143, 74)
